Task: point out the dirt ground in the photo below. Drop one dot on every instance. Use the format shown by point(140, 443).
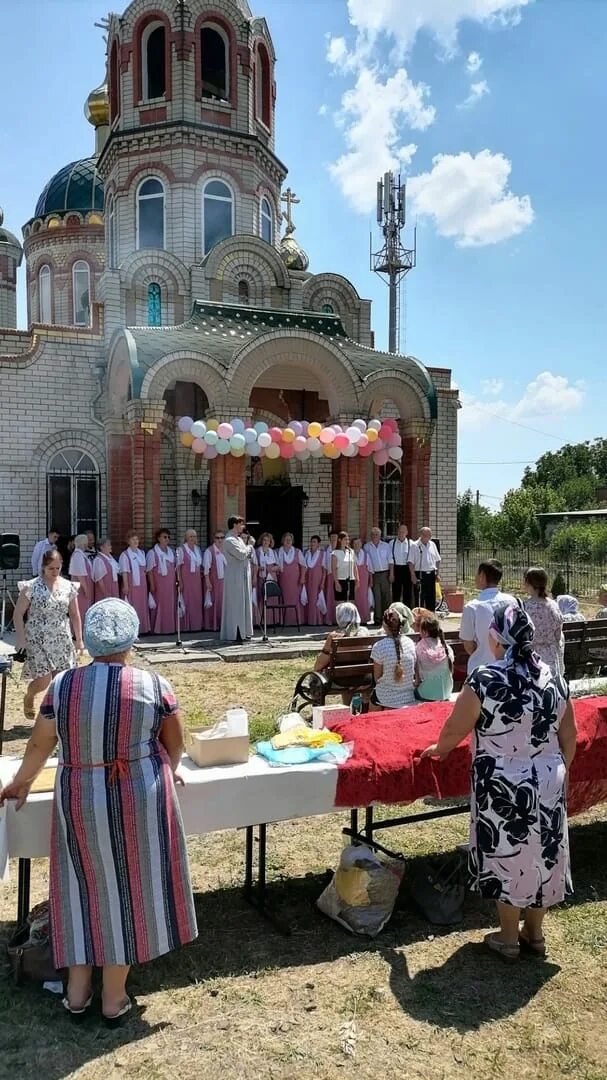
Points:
point(246, 1002)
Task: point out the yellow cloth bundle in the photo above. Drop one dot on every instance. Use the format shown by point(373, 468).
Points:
point(304, 736)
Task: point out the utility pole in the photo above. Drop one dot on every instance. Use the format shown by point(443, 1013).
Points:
point(394, 260)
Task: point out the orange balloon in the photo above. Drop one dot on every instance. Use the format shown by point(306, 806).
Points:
point(186, 438)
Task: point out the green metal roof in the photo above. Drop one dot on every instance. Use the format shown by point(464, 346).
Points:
point(76, 186)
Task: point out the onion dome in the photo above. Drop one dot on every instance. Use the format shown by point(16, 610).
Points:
point(78, 186)
point(293, 256)
point(9, 238)
point(97, 107)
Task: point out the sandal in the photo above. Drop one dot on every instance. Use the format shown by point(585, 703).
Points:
point(80, 1012)
point(537, 946)
point(495, 944)
point(116, 1018)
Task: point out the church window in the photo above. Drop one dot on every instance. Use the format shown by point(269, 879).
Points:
point(153, 61)
point(154, 304)
point(262, 86)
point(243, 292)
point(73, 492)
point(110, 217)
point(328, 309)
point(266, 221)
point(114, 82)
point(217, 213)
point(214, 52)
point(389, 499)
point(81, 292)
point(45, 306)
point(150, 214)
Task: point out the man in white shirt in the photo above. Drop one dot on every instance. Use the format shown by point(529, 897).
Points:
point(425, 561)
point(378, 552)
point(40, 549)
point(400, 575)
point(477, 615)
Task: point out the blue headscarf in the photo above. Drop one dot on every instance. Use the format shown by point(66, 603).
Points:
point(110, 626)
point(513, 628)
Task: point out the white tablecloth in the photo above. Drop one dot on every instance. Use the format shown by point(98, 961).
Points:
point(225, 797)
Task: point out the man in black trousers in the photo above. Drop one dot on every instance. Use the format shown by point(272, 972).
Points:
point(401, 578)
point(425, 563)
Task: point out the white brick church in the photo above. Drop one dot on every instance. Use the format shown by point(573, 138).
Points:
point(158, 286)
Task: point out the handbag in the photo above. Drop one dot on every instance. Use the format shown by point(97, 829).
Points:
point(29, 949)
point(437, 887)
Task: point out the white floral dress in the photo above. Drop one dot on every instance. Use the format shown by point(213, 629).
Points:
point(48, 634)
point(548, 640)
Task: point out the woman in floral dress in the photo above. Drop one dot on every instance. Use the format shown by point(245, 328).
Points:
point(548, 640)
point(524, 743)
point(50, 604)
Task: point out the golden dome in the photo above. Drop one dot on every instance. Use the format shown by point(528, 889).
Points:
point(97, 107)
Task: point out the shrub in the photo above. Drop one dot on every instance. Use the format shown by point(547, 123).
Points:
point(559, 586)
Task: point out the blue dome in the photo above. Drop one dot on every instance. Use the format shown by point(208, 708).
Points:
point(77, 186)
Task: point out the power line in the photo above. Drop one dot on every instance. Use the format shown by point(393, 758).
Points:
point(496, 463)
point(527, 427)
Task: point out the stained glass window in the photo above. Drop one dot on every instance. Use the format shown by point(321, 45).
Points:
point(328, 309)
point(154, 304)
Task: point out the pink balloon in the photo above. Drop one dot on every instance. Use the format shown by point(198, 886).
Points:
point(300, 444)
point(276, 434)
point(385, 431)
point(363, 441)
point(394, 439)
point(327, 435)
point(381, 457)
point(199, 446)
point(287, 450)
point(210, 452)
point(341, 441)
point(365, 450)
point(391, 423)
point(225, 431)
point(337, 428)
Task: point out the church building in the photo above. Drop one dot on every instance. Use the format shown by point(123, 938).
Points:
point(160, 285)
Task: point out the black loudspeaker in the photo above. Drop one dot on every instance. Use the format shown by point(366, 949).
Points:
point(10, 551)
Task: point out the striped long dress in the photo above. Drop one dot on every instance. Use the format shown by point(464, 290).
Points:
point(120, 890)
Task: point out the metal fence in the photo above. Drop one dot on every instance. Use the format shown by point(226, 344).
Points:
point(581, 577)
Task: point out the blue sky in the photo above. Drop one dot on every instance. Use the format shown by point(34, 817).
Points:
point(509, 290)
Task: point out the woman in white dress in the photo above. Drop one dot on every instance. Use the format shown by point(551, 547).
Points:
point(393, 657)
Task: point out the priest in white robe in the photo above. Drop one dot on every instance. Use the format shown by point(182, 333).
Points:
point(237, 612)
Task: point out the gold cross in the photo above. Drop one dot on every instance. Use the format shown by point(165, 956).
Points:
point(290, 198)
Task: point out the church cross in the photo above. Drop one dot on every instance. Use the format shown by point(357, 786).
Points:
point(290, 198)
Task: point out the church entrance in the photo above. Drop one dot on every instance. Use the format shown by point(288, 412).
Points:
point(277, 509)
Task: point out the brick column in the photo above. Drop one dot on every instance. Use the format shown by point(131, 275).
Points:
point(119, 480)
point(227, 488)
point(423, 483)
point(339, 494)
point(409, 482)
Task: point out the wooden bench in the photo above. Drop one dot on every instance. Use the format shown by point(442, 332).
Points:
point(585, 648)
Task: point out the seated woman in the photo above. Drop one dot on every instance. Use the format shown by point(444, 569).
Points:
point(348, 625)
point(434, 663)
point(569, 607)
point(418, 614)
point(393, 658)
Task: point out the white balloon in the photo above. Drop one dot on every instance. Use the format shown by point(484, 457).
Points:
point(353, 434)
point(198, 429)
point(361, 425)
point(395, 453)
point(250, 435)
point(303, 455)
point(374, 424)
point(264, 439)
point(314, 444)
point(350, 450)
point(317, 452)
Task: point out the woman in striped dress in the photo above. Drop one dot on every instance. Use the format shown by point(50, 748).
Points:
point(120, 891)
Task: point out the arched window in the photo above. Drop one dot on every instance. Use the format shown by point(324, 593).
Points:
point(328, 309)
point(45, 299)
point(150, 214)
point(389, 499)
point(110, 217)
point(154, 304)
point(214, 63)
point(81, 293)
point(243, 292)
point(217, 213)
point(73, 493)
point(153, 61)
point(266, 221)
point(263, 108)
point(114, 82)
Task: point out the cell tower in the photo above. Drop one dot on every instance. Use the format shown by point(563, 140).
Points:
point(394, 260)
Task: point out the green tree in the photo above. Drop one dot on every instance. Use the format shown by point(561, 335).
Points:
point(576, 471)
point(473, 520)
point(516, 522)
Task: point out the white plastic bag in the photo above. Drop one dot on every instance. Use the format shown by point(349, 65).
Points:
point(363, 890)
point(181, 607)
point(370, 598)
point(151, 602)
point(303, 596)
point(321, 603)
point(254, 596)
point(208, 599)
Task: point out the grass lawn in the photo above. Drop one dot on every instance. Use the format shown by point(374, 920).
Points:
point(245, 1002)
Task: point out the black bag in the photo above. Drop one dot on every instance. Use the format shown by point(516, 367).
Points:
point(437, 887)
point(29, 949)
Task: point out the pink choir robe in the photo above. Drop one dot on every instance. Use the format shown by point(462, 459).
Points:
point(133, 563)
point(189, 561)
point(361, 594)
point(329, 588)
point(164, 615)
point(314, 575)
point(82, 568)
point(267, 568)
point(288, 579)
point(214, 564)
point(105, 576)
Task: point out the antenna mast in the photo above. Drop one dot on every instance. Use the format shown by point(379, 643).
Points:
point(394, 260)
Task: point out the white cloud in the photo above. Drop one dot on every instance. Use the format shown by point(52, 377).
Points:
point(546, 397)
point(322, 110)
point(372, 113)
point(467, 198)
point(473, 63)
point(477, 91)
point(404, 19)
point(492, 387)
point(337, 52)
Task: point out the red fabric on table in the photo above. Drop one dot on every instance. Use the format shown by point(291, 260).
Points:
point(386, 765)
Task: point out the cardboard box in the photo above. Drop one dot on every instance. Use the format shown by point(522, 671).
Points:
point(207, 748)
point(322, 714)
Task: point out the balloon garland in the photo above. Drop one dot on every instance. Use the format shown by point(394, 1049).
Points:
point(379, 439)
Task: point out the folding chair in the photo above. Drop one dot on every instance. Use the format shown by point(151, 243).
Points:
point(271, 590)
